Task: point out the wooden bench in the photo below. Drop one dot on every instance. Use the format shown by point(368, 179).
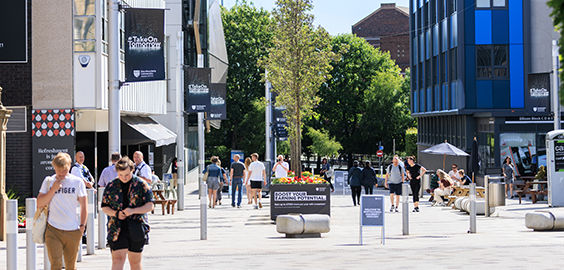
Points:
point(164, 203)
point(171, 203)
point(533, 192)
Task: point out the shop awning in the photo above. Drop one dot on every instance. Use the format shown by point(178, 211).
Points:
point(140, 130)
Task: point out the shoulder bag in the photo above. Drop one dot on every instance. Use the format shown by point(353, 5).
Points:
point(205, 178)
point(40, 221)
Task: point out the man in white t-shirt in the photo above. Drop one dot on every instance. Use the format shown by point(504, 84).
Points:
point(64, 193)
point(454, 174)
point(257, 175)
point(142, 170)
point(281, 167)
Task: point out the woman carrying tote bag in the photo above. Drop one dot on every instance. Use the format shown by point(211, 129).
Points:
point(64, 193)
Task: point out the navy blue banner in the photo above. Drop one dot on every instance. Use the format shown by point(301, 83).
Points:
point(144, 45)
point(197, 85)
point(13, 31)
point(218, 96)
point(539, 93)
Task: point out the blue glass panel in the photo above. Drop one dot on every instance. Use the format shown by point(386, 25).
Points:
point(453, 96)
point(483, 22)
point(453, 31)
point(436, 40)
point(444, 97)
point(516, 22)
point(484, 95)
point(422, 100)
point(429, 100)
point(469, 25)
point(447, 73)
point(444, 38)
point(501, 94)
point(414, 50)
point(420, 3)
point(428, 44)
point(415, 101)
point(516, 77)
point(470, 83)
point(500, 33)
point(437, 98)
point(421, 48)
point(414, 5)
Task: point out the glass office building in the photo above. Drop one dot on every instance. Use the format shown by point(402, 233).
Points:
point(481, 68)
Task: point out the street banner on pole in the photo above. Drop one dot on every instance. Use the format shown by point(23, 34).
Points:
point(539, 93)
point(218, 110)
point(279, 120)
point(13, 31)
point(53, 132)
point(144, 47)
point(198, 83)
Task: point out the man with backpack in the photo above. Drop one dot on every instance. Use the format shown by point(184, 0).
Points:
point(395, 177)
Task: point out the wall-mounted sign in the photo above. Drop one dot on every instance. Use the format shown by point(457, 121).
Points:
point(218, 97)
point(144, 47)
point(539, 93)
point(13, 31)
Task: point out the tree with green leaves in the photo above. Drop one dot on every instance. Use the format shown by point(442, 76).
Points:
point(247, 37)
point(367, 99)
point(323, 144)
point(558, 19)
point(297, 65)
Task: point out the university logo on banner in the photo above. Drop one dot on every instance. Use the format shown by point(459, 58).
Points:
point(539, 93)
point(218, 110)
point(144, 45)
point(198, 83)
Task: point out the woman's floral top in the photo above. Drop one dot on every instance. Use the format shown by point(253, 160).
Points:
point(140, 193)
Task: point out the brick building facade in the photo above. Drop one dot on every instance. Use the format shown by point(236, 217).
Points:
point(388, 29)
point(15, 79)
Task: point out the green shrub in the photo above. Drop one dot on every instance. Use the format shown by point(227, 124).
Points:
point(411, 142)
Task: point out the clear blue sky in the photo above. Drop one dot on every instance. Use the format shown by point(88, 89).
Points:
point(336, 16)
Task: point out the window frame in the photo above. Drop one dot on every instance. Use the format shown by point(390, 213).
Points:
point(492, 65)
point(491, 6)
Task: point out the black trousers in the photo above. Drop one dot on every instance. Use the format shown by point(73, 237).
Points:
point(415, 187)
point(356, 194)
point(369, 189)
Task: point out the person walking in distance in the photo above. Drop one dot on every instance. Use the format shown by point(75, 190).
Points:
point(509, 174)
point(222, 180)
point(81, 171)
point(127, 200)
point(236, 175)
point(394, 180)
point(325, 168)
point(368, 178)
point(257, 177)
point(246, 181)
point(109, 173)
point(354, 181)
point(414, 173)
point(142, 170)
point(281, 167)
point(174, 171)
point(214, 176)
point(64, 193)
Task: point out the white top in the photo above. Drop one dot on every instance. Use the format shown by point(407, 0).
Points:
point(108, 174)
point(76, 171)
point(255, 169)
point(63, 208)
point(143, 170)
point(279, 171)
point(454, 176)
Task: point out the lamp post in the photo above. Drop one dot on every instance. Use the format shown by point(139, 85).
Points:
point(4, 115)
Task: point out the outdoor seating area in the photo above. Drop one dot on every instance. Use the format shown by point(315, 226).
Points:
point(529, 189)
point(165, 195)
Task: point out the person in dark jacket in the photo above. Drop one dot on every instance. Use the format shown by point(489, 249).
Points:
point(355, 174)
point(368, 178)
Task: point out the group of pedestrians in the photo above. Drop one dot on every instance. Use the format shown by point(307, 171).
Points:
point(361, 177)
point(126, 200)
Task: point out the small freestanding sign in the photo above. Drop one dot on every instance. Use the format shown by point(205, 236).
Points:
point(555, 167)
point(372, 213)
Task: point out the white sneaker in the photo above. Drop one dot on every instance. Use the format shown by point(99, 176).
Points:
point(255, 207)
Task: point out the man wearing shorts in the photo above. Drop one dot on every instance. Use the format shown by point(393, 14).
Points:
point(395, 177)
point(257, 176)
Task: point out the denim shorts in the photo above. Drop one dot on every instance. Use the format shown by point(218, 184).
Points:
point(395, 188)
point(213, 183)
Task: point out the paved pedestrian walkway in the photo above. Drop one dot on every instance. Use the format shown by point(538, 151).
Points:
point(247, 239)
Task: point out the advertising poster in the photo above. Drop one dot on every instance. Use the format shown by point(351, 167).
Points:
point(539, 93)
point(13, 31)
point(559, 156)
point(197, 84)
point(304, 199)
point(53, 132)
point(218, 95)
point(144, 45)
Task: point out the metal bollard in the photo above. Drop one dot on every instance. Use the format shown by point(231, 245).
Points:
point(101, 221)
point(180, 190)
point(203, 211)
point(12, 234)
point(405, 208)
point(473, 208)
point(90, 237)
point(487, 194)
point(46, 262)
point(30, 246)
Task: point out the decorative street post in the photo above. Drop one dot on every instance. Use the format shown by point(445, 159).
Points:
point(4, 115)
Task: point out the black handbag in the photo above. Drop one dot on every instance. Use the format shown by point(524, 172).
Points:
point(137, 231)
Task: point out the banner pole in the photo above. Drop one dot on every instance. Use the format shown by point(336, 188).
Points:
point(114, 127)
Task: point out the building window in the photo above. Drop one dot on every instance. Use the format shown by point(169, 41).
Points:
point(453, 64)
point(491, 61)
point(84, 26)
point(491, 3)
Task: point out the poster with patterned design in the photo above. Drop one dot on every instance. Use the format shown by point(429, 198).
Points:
point(53, 131)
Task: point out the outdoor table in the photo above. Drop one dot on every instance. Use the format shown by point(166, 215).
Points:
point(533, 192)
point(160, 199)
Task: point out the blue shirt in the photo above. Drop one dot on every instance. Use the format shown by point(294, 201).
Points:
point(107, 175)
